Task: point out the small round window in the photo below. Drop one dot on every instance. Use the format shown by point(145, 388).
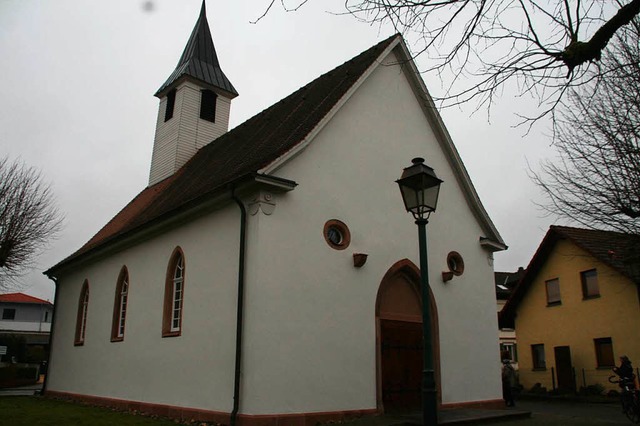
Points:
point(455, 263)
point(337, 234)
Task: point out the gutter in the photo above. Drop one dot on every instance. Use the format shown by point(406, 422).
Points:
point(240, 308)
point(53, 323)
point(492, 245)
point(274, 184)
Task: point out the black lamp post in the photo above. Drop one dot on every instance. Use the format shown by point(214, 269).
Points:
point(420, 186)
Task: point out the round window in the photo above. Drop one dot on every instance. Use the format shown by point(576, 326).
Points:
point(337, 234)
point(334, 235)
point(455, 263)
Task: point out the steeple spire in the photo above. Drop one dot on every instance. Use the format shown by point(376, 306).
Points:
point(195, 104)
point(199, 59)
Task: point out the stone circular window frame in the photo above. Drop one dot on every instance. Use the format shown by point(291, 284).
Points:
point(455, 263)
point(344, 232)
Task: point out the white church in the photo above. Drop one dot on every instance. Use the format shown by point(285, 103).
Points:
point(268, 273)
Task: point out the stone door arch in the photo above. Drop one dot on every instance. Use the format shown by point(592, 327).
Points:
point(399, 339)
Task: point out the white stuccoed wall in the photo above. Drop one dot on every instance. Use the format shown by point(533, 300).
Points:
point(309, 343)
point(310, 315)
point(193, 370)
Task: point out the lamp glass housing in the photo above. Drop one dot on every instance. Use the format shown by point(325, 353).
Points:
point(420, 188)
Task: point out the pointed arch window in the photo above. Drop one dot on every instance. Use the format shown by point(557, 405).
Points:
point(120, 306)
point(81, 319)
point(174, 295)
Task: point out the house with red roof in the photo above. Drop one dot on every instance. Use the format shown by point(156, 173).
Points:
point(576, 309)
point(26, 316)
point(268, 273)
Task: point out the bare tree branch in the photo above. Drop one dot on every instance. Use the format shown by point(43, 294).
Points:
point(578, 53)
point(544, 47)
point(596, 179)
point(284, 6)
point(28, 219)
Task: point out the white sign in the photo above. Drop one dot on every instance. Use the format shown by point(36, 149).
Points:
point(3, 350)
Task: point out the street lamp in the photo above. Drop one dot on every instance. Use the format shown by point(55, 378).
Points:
point(420, 187)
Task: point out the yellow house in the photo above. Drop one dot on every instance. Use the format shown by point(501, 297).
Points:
point(577, 309)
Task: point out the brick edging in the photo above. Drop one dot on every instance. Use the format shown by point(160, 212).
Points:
point(162, 410)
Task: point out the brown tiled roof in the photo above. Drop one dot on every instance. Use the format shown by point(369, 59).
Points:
point(615, 249)
point(22, 298)
point(240, 152)
point(131, 213)
point(619, 251)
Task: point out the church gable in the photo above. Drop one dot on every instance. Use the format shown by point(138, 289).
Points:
point(346, 169)
point(399, 100)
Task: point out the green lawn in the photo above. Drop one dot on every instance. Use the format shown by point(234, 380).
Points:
point(38, 411)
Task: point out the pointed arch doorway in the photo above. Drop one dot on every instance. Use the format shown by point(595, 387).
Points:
point(399, 339)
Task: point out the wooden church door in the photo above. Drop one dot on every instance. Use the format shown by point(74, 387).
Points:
point(399, 327)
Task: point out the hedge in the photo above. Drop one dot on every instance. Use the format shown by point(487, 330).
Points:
point(15, 376)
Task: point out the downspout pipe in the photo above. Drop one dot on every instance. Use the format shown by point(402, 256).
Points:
point(51, 334)
point(240, 308)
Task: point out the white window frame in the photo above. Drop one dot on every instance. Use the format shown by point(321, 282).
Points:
point(122, 309)
point(177, 294)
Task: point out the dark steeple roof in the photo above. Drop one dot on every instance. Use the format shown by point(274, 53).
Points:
point(199, 59)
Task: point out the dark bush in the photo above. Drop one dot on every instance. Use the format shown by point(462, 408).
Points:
point(17, 376)
point(9, 372)
point(36, 354)
point(16, 347)
point(27, 373)
point(538, 389)
point(592, 390)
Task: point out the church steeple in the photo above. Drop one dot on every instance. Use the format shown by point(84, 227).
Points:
point(195, 102)
point(199, 59)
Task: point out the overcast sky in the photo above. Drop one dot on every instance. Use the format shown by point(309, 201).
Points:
point(78, 78)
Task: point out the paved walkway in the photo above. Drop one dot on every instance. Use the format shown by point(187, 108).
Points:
point(458, 416)
point(468, 415)
point(610, 413)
